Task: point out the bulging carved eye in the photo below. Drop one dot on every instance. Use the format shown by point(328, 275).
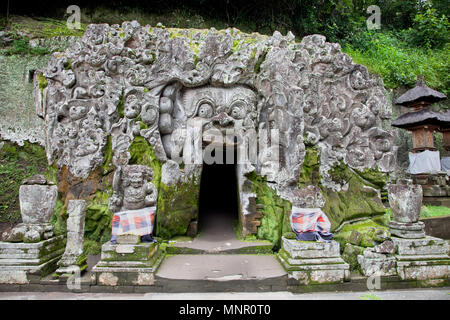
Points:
point(237, 110)
point(205, 110)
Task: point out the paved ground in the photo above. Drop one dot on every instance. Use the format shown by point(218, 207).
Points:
point(217, 235)
point(220, 267)
point(416, 294)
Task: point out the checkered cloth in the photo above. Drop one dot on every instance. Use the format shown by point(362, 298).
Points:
point(309, 220)
point(138, 222)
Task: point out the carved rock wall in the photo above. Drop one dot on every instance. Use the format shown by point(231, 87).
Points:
point(162, 85)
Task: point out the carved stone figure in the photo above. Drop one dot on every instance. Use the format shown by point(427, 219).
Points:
point(133, 188)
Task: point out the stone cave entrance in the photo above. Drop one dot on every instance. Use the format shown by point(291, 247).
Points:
point(218, 203)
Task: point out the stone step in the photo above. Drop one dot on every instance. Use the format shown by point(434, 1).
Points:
point(219, 268)
point(219, 246)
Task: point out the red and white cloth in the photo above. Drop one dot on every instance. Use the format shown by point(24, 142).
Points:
point(139, 222)
point(309, 220)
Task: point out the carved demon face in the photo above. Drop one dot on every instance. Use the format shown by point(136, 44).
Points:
point(221, 107)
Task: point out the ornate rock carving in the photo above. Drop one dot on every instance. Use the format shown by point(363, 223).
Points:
point(133, 188)
point(166, 84)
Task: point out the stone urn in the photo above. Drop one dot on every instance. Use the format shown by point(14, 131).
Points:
point(405, 200)
point(37, 198)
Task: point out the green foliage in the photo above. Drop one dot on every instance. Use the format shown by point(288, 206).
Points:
point(430, 29)
point(275, 220)
point(434, 211)
point(21, 46)
point(17, 163)
point(91, 247)
point(99, 218)
point(389, 55)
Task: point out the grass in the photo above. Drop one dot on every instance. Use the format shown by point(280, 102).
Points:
point(17, 163)
point(398, 64)
point(434, 211)
point(41, 27)
point(370, 296)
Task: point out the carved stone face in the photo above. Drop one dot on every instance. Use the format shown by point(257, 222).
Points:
point(132, 106)
point(221, 107)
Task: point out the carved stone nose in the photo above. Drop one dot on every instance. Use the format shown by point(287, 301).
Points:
point(223, 119)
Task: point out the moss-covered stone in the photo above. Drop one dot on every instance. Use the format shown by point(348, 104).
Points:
point(371, 233)
point(142, 152)
point(350, 255)
point(358, 200)
point(177, 207)
point(99, 217)
point(17, 163)
point(275, 212)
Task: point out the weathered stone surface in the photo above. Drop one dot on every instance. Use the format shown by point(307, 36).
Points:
point(355, 238)
point(426, 246)
point(312, 262)
point(128, 239)
point(37, 203)
point(170, 86)
point(73, 255)
point(405, 200)
point(170, 173)
point(378, 264)
point(311, 249)
point(423, 270)
point(28, 233)
point(385, 247)
point(19, 260)
point(350, 255)
point(407, 230)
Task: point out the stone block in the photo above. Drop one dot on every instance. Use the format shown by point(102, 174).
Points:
point(407, 230)
point(424, 270)
point(128, 265)
point(311, 262)
point(373, 263)
point(73, 255)
point(311, 249)
point(128, 239)
point(425, 246)
point(37, 203)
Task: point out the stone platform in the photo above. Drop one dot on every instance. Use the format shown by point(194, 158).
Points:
point(312, 262)
point(422, 259)
point(18, 261)
point(128, 264)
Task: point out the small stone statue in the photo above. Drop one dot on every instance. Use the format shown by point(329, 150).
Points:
point(133, 190)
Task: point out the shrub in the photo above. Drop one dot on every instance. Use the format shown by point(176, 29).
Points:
point(430, 30)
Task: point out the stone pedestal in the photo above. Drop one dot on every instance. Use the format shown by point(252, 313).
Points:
point(73, 259)
point(128, 264)
point(20, 261)
point(422, 259)
point(312, 262)
point(379, 264)
point(407, 230)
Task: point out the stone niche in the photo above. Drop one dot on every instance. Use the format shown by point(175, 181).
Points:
point(177, 93)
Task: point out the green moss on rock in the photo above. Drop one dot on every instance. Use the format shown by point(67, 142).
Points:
point(99, 218)
point(358, 200)
point(142, 153)
point(275, 212)
point(177, 207)
point(17, 163)
point(350, 255)
point(370, 233)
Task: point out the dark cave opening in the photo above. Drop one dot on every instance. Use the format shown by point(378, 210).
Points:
point(218, 203)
